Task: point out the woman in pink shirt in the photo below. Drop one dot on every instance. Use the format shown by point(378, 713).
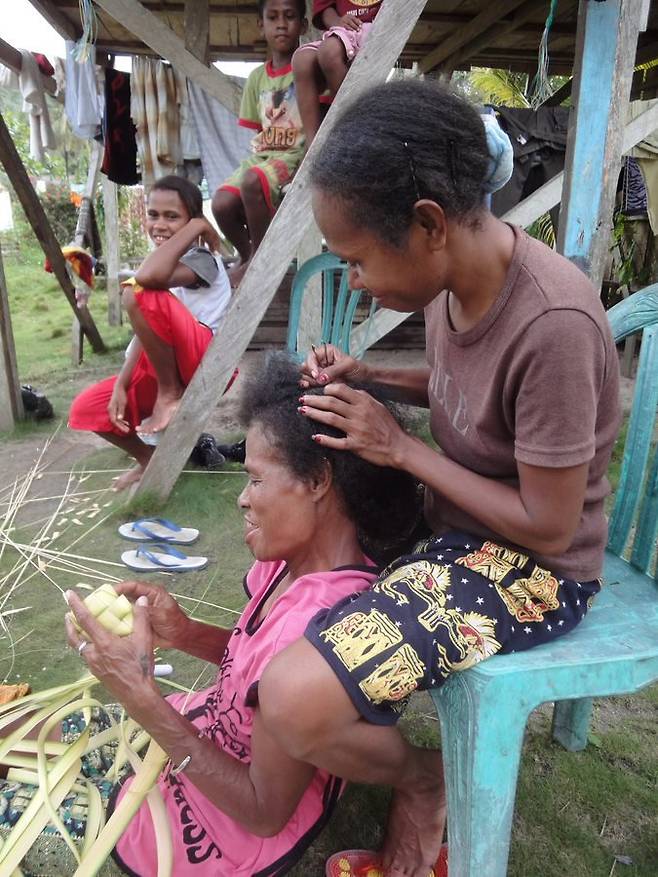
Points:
point(238, 805)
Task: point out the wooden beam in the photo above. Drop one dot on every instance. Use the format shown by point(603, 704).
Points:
point(606, 44)
point(11, 57)
point(11, 403)
point(390, 32)
point(524, 214)
point(196, 25)
point(37, 218)
point(310, 318)
point(498, 32)
point(563, 92)
point(112, 254)
point(460, 37)
point(155, 33)
point(56, 19)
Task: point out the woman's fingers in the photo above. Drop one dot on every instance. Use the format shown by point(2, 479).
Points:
point(133, 590)
point(73, 636)
point(142, 635)
point(94, 630)
point(326, 364)
point(370, 430)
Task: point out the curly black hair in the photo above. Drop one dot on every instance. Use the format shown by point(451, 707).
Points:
point(384, 503)
point(400, 142)
point(189, 194)
point(301, 8)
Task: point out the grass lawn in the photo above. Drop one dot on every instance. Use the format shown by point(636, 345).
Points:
point(575, 812)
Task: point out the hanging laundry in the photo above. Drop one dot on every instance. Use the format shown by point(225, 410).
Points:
point(82, 101)
point(646, 154)
point(634, 192)
point(192, 169)
point(120, 155)
point(154, 107)
point(8, 78)
point(223, 143)
point(188, 137)
point(539, 139)
point(30, 83)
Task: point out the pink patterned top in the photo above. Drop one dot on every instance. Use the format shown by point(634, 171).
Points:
point(206, 841)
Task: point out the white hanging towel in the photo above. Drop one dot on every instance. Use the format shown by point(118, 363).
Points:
point(82, 102)
point(30, 83)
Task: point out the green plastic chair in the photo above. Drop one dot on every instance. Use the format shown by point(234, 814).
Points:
point(338, 308)
point(483, 711)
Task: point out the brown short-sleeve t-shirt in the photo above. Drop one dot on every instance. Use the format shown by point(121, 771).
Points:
point(535, 381)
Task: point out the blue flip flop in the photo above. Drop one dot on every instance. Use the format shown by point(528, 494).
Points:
point(158, 530)
point(161, 558)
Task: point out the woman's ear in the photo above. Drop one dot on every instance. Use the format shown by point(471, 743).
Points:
point(432, 220)
point(322, 481)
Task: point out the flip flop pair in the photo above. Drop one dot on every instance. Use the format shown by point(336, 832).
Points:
point(367, 863)
point(158, 530)
point(160, 556)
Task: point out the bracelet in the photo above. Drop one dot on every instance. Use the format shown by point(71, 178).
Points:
point(174, 771)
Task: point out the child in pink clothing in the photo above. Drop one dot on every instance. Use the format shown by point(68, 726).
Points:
point(240, 806)
point(323, 64)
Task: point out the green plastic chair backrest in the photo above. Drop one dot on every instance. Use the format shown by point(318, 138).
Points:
point(338, 308)
point(635, 511)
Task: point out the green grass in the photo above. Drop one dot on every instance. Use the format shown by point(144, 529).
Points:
point(201, 500)
point(575, 811)
point(41, 321)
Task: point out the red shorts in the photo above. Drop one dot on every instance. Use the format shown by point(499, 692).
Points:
point(176, 326)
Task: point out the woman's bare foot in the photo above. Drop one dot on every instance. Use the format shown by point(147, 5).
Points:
point(236, 273)
point(163, 410)
point(132, 476)
point(416, 821)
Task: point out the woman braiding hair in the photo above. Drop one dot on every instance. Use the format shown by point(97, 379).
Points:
point(522, 389)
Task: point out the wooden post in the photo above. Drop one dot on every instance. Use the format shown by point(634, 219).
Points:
point(83, 236)
point(37, 218)
point(606, 40)
point(389, 35)
point(112, 253)
point(11, 403)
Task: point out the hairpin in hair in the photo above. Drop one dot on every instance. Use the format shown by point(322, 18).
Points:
point(451, 162)
point(412, 168)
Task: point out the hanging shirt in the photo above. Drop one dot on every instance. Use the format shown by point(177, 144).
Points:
point(269, 106)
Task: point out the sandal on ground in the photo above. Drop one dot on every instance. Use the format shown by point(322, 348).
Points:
point(158, 530)
point(367, 863)
point(150, 438)
point(162, 558)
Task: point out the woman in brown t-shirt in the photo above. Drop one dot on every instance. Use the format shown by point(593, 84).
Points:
point(522, 386)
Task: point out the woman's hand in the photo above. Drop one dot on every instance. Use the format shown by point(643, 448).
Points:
point(116, 408)
point(123, 664)
point(370, 430)
point(326, 364)
point(168, 621)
